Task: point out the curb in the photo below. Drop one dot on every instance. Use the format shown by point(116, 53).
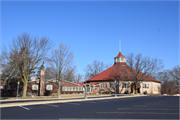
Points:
point(51, 98)
point(62, 101)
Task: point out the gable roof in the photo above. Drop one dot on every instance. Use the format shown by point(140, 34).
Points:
point(80, 84)
point(107, 75)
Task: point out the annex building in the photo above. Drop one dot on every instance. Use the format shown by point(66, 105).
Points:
point(120, 70)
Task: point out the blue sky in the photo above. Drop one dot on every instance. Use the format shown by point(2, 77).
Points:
point(93, 29)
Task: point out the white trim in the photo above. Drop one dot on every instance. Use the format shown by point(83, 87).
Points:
point(34, 86)
point(145, 86)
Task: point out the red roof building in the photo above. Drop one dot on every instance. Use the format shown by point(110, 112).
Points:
point(121, 70)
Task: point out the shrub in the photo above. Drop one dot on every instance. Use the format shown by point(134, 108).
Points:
point(47, 93)
point(126, 92)
point(145, 92)
point(66, 92)
point(70, 92)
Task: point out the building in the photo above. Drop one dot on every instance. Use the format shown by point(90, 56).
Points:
point(50, 87)
point(108, 78)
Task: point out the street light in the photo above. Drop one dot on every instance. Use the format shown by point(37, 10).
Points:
point(100, 89)
point(85, 96)
point(115, 88)
point(17, 89)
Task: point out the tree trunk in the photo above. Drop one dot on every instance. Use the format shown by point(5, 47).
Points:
point(135, 89)
point(24, 89)
point(58, 91)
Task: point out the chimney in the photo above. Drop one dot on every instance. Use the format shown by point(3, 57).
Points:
point(34, 78)
point(42, 83)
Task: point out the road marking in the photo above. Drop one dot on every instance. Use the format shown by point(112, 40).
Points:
point(149, 105)
point(90, 102)
point(156, 104)
point(73, 103)
point(163, 106)
point(133, 113)
point(24, 107)
point(139, 105)
point(51, 105)
point(144, 109)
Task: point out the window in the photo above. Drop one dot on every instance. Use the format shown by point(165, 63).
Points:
point(122, 59)
point(158, 87)
point(112, 85)
point(103, 85)
point(125, 85)
point(49, 87)
point(81, 88)
point(95, 88)
point(88, 89)
point(145, 85)
point(118, 60)
point(2, 87)
point(68, 88)
point(74, 88)
point(71, 89)
point(63, 88)
point(34, 87)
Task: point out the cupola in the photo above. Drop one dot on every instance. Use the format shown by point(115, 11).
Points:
point(120, 58)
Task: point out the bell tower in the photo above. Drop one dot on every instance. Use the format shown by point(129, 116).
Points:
point(120, 58)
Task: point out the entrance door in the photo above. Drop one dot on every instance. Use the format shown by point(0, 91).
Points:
point(138, 91)
point(88, 89)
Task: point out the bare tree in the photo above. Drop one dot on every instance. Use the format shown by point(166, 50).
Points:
point(49, 73)
point(79, 78)
point(95, 68)
point(61, 62)
point(70, 74)
point(25, 55)
point(137, 69)
point(168, 85)
point(175, 74)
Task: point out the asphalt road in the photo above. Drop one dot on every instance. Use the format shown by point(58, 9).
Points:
point(147, 107)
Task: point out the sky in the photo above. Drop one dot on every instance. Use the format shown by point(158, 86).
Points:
point(92, 29)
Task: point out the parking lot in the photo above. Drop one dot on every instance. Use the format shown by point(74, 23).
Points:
point(147, 107)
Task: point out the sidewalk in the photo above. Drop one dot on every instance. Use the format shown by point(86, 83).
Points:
point(66, 99)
